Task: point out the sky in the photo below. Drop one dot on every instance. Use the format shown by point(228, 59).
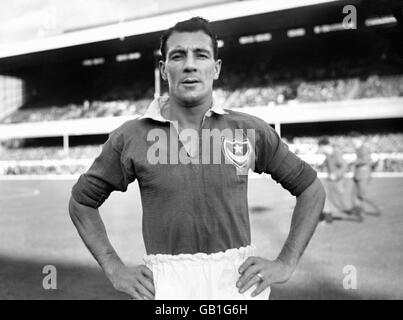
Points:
point(30, 19)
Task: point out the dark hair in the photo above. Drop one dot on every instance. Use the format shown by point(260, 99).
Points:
point(192, 25)
point(324, 141)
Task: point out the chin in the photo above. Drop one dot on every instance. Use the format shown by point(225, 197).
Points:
point(191, 99)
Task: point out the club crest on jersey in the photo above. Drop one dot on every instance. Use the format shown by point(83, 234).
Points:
point(237, 152)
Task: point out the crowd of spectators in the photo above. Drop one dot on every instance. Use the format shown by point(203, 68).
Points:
point(296, 92)
point(256, 83)
point(43, 170)
point(382, 165)
point(385, 143)
point(8, 153)
point(384, 146)
point(87, 109)
point(378, 143)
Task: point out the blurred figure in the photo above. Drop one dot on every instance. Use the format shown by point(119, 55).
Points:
point(339, 190)
point(362, 176)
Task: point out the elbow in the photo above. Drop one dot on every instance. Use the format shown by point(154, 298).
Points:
point(76, 210)
point(319, 191)
point(73, 209)
point(79, 212)
point(315, 192)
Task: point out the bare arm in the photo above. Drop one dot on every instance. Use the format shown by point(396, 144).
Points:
point(304, 221)
point(92, 231)
point(137, 282)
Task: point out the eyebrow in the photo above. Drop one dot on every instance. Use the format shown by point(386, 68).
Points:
point(202, 50)
point(183, 50)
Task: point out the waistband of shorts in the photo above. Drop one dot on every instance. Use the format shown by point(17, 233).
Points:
point(230, 254)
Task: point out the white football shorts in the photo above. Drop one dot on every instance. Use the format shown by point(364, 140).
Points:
point(201, 276)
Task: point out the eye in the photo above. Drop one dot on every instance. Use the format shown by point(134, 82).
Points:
point(203, 55)
point(176, 56)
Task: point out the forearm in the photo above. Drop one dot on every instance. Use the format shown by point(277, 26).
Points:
point(92, 231)
point(305, 217)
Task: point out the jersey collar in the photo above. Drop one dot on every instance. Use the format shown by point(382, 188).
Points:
point(160, 103)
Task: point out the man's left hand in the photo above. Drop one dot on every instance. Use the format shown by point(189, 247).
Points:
point(263, 272)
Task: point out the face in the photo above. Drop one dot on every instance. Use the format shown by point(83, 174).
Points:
point(189, 67)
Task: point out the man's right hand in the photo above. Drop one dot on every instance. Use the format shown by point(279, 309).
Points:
point(137, 281)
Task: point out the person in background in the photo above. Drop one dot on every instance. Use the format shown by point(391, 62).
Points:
point(338, 204)
point(362, 176)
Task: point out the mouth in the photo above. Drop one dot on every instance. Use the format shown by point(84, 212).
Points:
point(190, 81)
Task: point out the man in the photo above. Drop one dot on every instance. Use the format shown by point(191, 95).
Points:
point(362, 175)
point(339, 203)
point(195, 215)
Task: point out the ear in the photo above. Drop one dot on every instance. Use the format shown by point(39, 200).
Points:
point(217, 69)
point(162, 70)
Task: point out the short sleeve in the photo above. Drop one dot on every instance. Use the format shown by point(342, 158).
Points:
point(274, 157)
point(109, 172)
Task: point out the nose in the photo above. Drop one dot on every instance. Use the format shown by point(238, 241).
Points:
point(190, 64)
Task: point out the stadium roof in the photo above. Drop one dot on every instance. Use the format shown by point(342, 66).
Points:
point(230, 19)
point(156, 23)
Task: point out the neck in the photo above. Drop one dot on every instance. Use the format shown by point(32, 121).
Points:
point(188, 115)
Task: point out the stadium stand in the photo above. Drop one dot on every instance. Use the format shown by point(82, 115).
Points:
point(343, 66)
point(318, 91)
point(380, 143)
point(267, 80)
point(47, 153)
point(87, 109)
point(294, 91)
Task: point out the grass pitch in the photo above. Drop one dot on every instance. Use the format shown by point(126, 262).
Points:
point(35, 231)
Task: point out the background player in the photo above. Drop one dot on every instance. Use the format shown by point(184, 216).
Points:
point(339, 190)
point(362, 175)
